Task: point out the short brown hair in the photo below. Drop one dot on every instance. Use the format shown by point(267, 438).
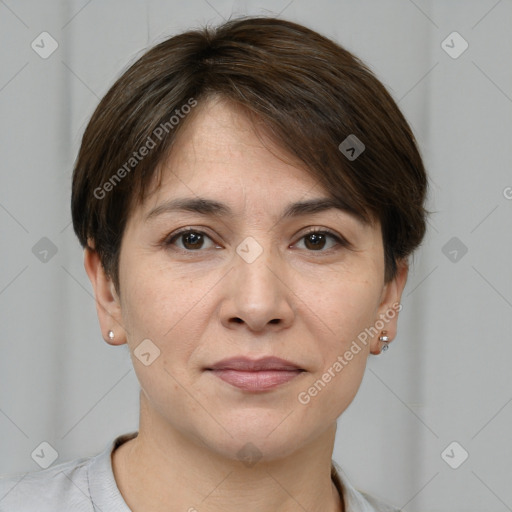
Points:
point(310, 93)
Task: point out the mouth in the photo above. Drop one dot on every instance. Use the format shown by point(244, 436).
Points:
point(255, 375)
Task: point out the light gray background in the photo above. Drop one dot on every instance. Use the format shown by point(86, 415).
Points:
point(445, 378)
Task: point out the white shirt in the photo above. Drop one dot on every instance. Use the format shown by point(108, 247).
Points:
point(87, 484)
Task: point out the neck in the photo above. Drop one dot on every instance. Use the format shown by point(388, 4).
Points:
point(162, 468)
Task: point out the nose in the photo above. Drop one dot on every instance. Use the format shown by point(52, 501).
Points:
point(258, 295)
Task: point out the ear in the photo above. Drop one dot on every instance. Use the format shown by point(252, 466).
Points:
point(108, 305)
point(389, 307)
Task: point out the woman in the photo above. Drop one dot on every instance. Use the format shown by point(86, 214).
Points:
point(247, 198)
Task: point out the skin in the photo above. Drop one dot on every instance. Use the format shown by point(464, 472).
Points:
point(199, 304)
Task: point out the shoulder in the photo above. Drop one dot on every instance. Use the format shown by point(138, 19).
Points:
point(378, 505)
point(64, 486)
point(86, 484)
point(356, 500)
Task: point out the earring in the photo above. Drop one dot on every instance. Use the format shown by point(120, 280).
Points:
point(110, 335)
point(384, 338)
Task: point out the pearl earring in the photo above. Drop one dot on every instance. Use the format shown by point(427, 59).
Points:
point(110, 335)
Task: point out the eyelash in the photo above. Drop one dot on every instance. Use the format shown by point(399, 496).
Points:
point(340, 241)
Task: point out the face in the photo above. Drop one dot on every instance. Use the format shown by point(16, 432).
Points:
point(239, 279)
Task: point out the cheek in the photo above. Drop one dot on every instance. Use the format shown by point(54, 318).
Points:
point(348, 307)
point(345, 304)
point(165, 311)
point(172, 310)
point(157, 300)
point(150, 307)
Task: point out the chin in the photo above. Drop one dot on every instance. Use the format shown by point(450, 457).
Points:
point(250, 449)
point(259, 435)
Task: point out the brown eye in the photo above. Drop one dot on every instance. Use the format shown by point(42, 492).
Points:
point(318, 241)
point(315, 241)
point(191, 240)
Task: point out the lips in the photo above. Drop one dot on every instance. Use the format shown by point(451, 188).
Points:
point(254, 365)
point(255, 375)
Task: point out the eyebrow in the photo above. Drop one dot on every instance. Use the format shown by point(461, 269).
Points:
point(214, 208)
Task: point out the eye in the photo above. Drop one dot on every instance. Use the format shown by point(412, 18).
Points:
point(317, 240)
point(191, 240)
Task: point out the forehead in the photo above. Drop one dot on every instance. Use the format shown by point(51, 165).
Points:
point(221, 150)
point(224, 163)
